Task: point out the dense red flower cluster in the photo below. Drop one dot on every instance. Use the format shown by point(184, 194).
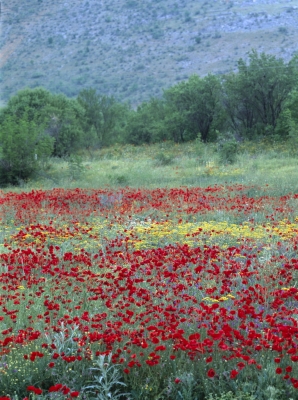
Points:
point(81, 203)
point(148, 305)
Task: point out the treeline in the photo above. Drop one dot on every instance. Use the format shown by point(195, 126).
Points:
point(259, 100)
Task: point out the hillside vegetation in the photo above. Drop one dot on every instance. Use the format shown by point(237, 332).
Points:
point(133, 49)
point(257, 102)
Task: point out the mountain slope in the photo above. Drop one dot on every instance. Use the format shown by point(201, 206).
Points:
point(132, 48)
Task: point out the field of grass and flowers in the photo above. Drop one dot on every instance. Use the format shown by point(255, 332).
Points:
point(181, 290)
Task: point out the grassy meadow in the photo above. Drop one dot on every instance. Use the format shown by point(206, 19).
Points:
point(158, 272)
point(171, 165)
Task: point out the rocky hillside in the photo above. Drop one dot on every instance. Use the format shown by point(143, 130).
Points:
point(134, 48)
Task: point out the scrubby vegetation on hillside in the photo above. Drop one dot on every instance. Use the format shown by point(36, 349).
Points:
point(133, 49)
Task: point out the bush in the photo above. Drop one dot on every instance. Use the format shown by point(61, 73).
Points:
point(146, 124)
point(64, 126)
point(163, 159)
point(228, 150)
point(53, 115)
point(75, 167)
point(22, 147)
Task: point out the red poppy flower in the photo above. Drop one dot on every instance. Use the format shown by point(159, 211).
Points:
point(211, 373)
point(56, 387)
point(34, 389)
point(241, 365)
point(233, 374)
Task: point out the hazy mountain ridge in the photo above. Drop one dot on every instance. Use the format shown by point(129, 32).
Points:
point(133, 49)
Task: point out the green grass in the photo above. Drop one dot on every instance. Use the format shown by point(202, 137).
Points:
point(190, 164)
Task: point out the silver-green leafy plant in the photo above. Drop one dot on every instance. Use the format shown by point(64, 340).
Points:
point(105, 380)
point(63, 340)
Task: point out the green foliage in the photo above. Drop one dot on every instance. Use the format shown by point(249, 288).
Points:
point(22, 146)
point(194, 106)
point(32, 102)
point(255, 97)
point(106, 380)
point(163, 159)
point(121, 180)
point(228, 150)
point(54, 115)
point(63, 124)
point(231, 396)
point(93, 119)
point(287, 127)
point(260, 100)
point(15, 379)
point(62, 372)
point(147, 123)
point(188, 388)
point(103, 116)
point(287, 124)
point(75, 167)
point(118, 179)
point(292, 104)
point(176, 125)
point(199, 146)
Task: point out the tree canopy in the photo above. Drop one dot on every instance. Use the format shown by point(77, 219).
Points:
point(255, 96)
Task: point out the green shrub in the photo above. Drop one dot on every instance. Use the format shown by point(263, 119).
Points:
point(75, 167)
point(121, 180)
point(53, 115)
point(63, 118)
point(228, 150)
point(22, 146)
point(293, 141)
point(163, 159)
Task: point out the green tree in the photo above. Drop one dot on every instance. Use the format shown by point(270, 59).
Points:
point(147, 123)
point(121, 112)
point(255, 96)
point(63, 123)
point(176, 125)
point(287, 126)
point(32, 102)
point(55, 115)
point(292, 104)
point(103, 115)
point(195, 106)
point(93, 119)
point(23, 145)
point(238, 101)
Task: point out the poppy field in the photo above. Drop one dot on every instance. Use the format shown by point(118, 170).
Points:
point(181, 293)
